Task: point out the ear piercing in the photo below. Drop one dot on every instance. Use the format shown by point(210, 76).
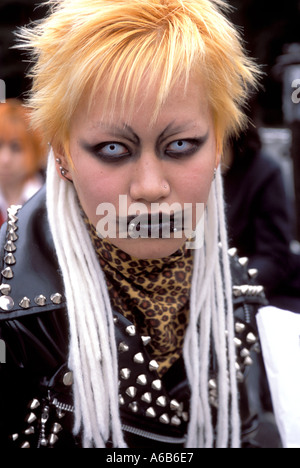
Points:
point(63, 171)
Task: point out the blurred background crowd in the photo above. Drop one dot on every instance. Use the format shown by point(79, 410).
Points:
point(261, 170)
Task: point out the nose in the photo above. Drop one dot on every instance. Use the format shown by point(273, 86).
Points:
point(148, 180)
point(5, 155)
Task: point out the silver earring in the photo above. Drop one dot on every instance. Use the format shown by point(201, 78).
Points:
point(215, 173)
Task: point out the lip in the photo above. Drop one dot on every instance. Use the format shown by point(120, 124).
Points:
point(153, 225)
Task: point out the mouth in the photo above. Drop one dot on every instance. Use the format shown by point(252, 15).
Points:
point(154, 225)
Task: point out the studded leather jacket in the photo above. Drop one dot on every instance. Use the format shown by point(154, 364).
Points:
point(36, 406)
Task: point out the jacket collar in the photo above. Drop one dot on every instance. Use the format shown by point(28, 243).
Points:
point(30, 278)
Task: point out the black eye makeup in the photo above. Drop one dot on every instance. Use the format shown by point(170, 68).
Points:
point(185, 147)
point(109, 151)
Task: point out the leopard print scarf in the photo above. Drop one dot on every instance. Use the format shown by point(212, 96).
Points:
point(152, 294)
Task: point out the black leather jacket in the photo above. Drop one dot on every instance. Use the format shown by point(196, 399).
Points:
point(36, 406)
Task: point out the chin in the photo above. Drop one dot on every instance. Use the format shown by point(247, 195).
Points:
point(149, 249)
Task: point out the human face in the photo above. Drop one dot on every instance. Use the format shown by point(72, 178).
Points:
point(169, 161)
point(13, 162)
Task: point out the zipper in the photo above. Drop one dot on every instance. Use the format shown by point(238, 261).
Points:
point(153, 436)
point(126, 428)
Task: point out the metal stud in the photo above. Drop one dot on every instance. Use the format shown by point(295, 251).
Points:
point(175, 421)
point(125, 373)
point(25, 445)
point(5, 289)
point(150, 413)
point(251, 338)
point(146, 397)
point(29, 431)
point(240, 327)
point(146, 340)
point(123, 347)
point(133, 407)
point(11, 235)
point(237, 342)
point(243, 261)
point(53, 439)
point(138, 358)
point(156, 384)
point(142, 379)
point(232, 252)
point(14, 437)
point(121, 400)
point(161, 401)
point(245, 353)
point(11, 225)
point(130, 330)
point(252, 272)
point(248, 361)
point(153, 365)
point(6, 303)
point(56, 298)
point(68, 379)
point(9, 259)
point(212, 384)
point(24, 303)
point(40, 300)
point(31, 418)
point(34, 404)
point(7, 273)
point(131, 391)
point(174, 405)
point(164, 419)
point(10, 246)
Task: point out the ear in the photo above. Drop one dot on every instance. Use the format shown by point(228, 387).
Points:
point(62, 163)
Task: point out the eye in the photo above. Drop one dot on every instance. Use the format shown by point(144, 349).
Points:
point(112, 150)
point(183, 147)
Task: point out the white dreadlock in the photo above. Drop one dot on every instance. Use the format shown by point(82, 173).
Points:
point(92, 351)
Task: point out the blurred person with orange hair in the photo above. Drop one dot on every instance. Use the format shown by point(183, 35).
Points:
point(21, 156)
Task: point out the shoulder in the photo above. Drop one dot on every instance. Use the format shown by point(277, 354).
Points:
point(30, 279)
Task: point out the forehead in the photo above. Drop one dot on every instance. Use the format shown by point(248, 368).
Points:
point(184, 102)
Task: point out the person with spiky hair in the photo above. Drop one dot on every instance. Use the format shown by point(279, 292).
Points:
point(135, 98)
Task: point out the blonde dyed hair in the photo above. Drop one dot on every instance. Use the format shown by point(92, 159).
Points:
point(84, 47)
point(117, 47)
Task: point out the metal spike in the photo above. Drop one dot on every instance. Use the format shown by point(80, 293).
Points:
point(24, 303)
point(14, 437)
point(147, 397)
point(121, 400)
point(131, 391)
point(146, 340)
point(5, 289)
point(164, 419)
point(142, 379)
point(156, 384)
point(252, 272)
point(11, 225)
point(9, 259)
point(138, 358)
point(11, 235)
point(245, 353)
point(175, 421)
point(56, 428)
point(174, 405)
point(53, 439)
point(123, 347)
point(243, 261)
point(10, 246)
point(150, 413)
point(31, 418)
point(232, 252)
point(56, 298)
point(153, 365)
point(25, 445)
point(212, 384)
point(40, 300)
point(248, 361)
point(7, 273)
point(125, 373)
point(251, 338)
point(161, 401)
point(237, 291)
point(130, 330)
point(237, 342)
point(240, 327)
point(12, 217)
point(29, 431)
point(34, 404)
point(133, 407)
